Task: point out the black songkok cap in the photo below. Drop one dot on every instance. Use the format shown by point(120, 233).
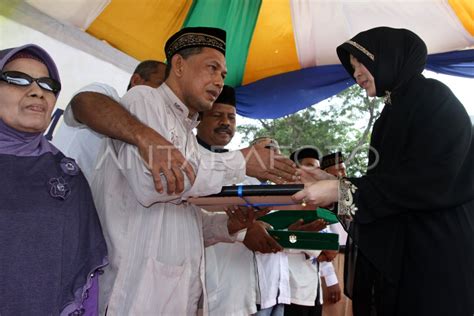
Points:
point(189, 37)
point(227, 96)
point(304, 152)
point(332, 160)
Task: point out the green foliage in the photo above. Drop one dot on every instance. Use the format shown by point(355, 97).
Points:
point(343, 126)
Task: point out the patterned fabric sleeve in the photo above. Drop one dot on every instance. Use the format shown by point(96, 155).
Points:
point(346, 205)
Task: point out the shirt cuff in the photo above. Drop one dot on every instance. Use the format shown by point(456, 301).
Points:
point(327, 272)
point(346, 205)
point(69, 118)
point(331, 279)
point(215, 229)
point(240, 235)
point(326, 268)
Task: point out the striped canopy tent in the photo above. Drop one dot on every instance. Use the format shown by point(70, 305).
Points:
point(280, 53)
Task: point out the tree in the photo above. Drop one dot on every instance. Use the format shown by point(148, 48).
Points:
point(344, 125)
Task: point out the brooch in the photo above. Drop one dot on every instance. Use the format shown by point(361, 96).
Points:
point(58, 188)
point(69, 166)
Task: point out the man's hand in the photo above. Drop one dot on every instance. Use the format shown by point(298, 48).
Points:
point(327, 255)
point(161, 157)
point(334, 294)
point(264, 164)
point(314, 226)
point(241, 217)
point(258, 239)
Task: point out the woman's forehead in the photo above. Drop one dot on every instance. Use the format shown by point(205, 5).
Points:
point(29, 66)
point(353, 59)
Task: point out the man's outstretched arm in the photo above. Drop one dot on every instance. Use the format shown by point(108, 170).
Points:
point(264, 163)
point(114, 121)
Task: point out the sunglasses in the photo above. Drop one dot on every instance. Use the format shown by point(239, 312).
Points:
point(21, 79)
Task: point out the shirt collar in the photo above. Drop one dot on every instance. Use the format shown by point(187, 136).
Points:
point(179, 109)
point(214, 149)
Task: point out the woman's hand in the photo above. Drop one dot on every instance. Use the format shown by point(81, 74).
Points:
point(322, 193)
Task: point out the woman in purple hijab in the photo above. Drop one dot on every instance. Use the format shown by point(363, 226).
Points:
point(51, 242)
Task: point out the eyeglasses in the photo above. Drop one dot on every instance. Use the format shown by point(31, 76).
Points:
point(21, 79)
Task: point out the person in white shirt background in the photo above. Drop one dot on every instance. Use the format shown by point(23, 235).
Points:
point(334, 302)
point(230, 268)
point(231, 279)
point(278, 287)
point(306, 298)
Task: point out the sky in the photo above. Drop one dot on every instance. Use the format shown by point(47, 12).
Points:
point(77, 69)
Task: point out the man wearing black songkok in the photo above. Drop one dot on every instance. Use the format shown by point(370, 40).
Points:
point(334, 164)
point(413, 213)
point(156, 239)
point(217, 126)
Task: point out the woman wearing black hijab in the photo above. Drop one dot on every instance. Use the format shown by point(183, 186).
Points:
point(413, 213)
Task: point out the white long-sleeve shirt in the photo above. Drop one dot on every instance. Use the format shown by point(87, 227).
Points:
point(304, 278)
point(78, 141)
point(155, 240)
point(273, 273)
point(326, 269)
point(238, 279)
point(231, 280)
point(230, 276)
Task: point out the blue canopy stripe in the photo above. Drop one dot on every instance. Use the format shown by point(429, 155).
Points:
point(284, 94)
point(457, 63)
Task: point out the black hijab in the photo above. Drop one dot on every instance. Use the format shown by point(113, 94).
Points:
point(393, 56)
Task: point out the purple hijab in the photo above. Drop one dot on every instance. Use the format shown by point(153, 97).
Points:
point(19, 143)
point(23, 144)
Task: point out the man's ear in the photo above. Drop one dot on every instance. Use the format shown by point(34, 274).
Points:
point(136, 80)
point(177, 64)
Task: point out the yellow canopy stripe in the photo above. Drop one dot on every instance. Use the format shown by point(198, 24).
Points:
point(272, 49)
point(464, 10)
point(140, 21)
